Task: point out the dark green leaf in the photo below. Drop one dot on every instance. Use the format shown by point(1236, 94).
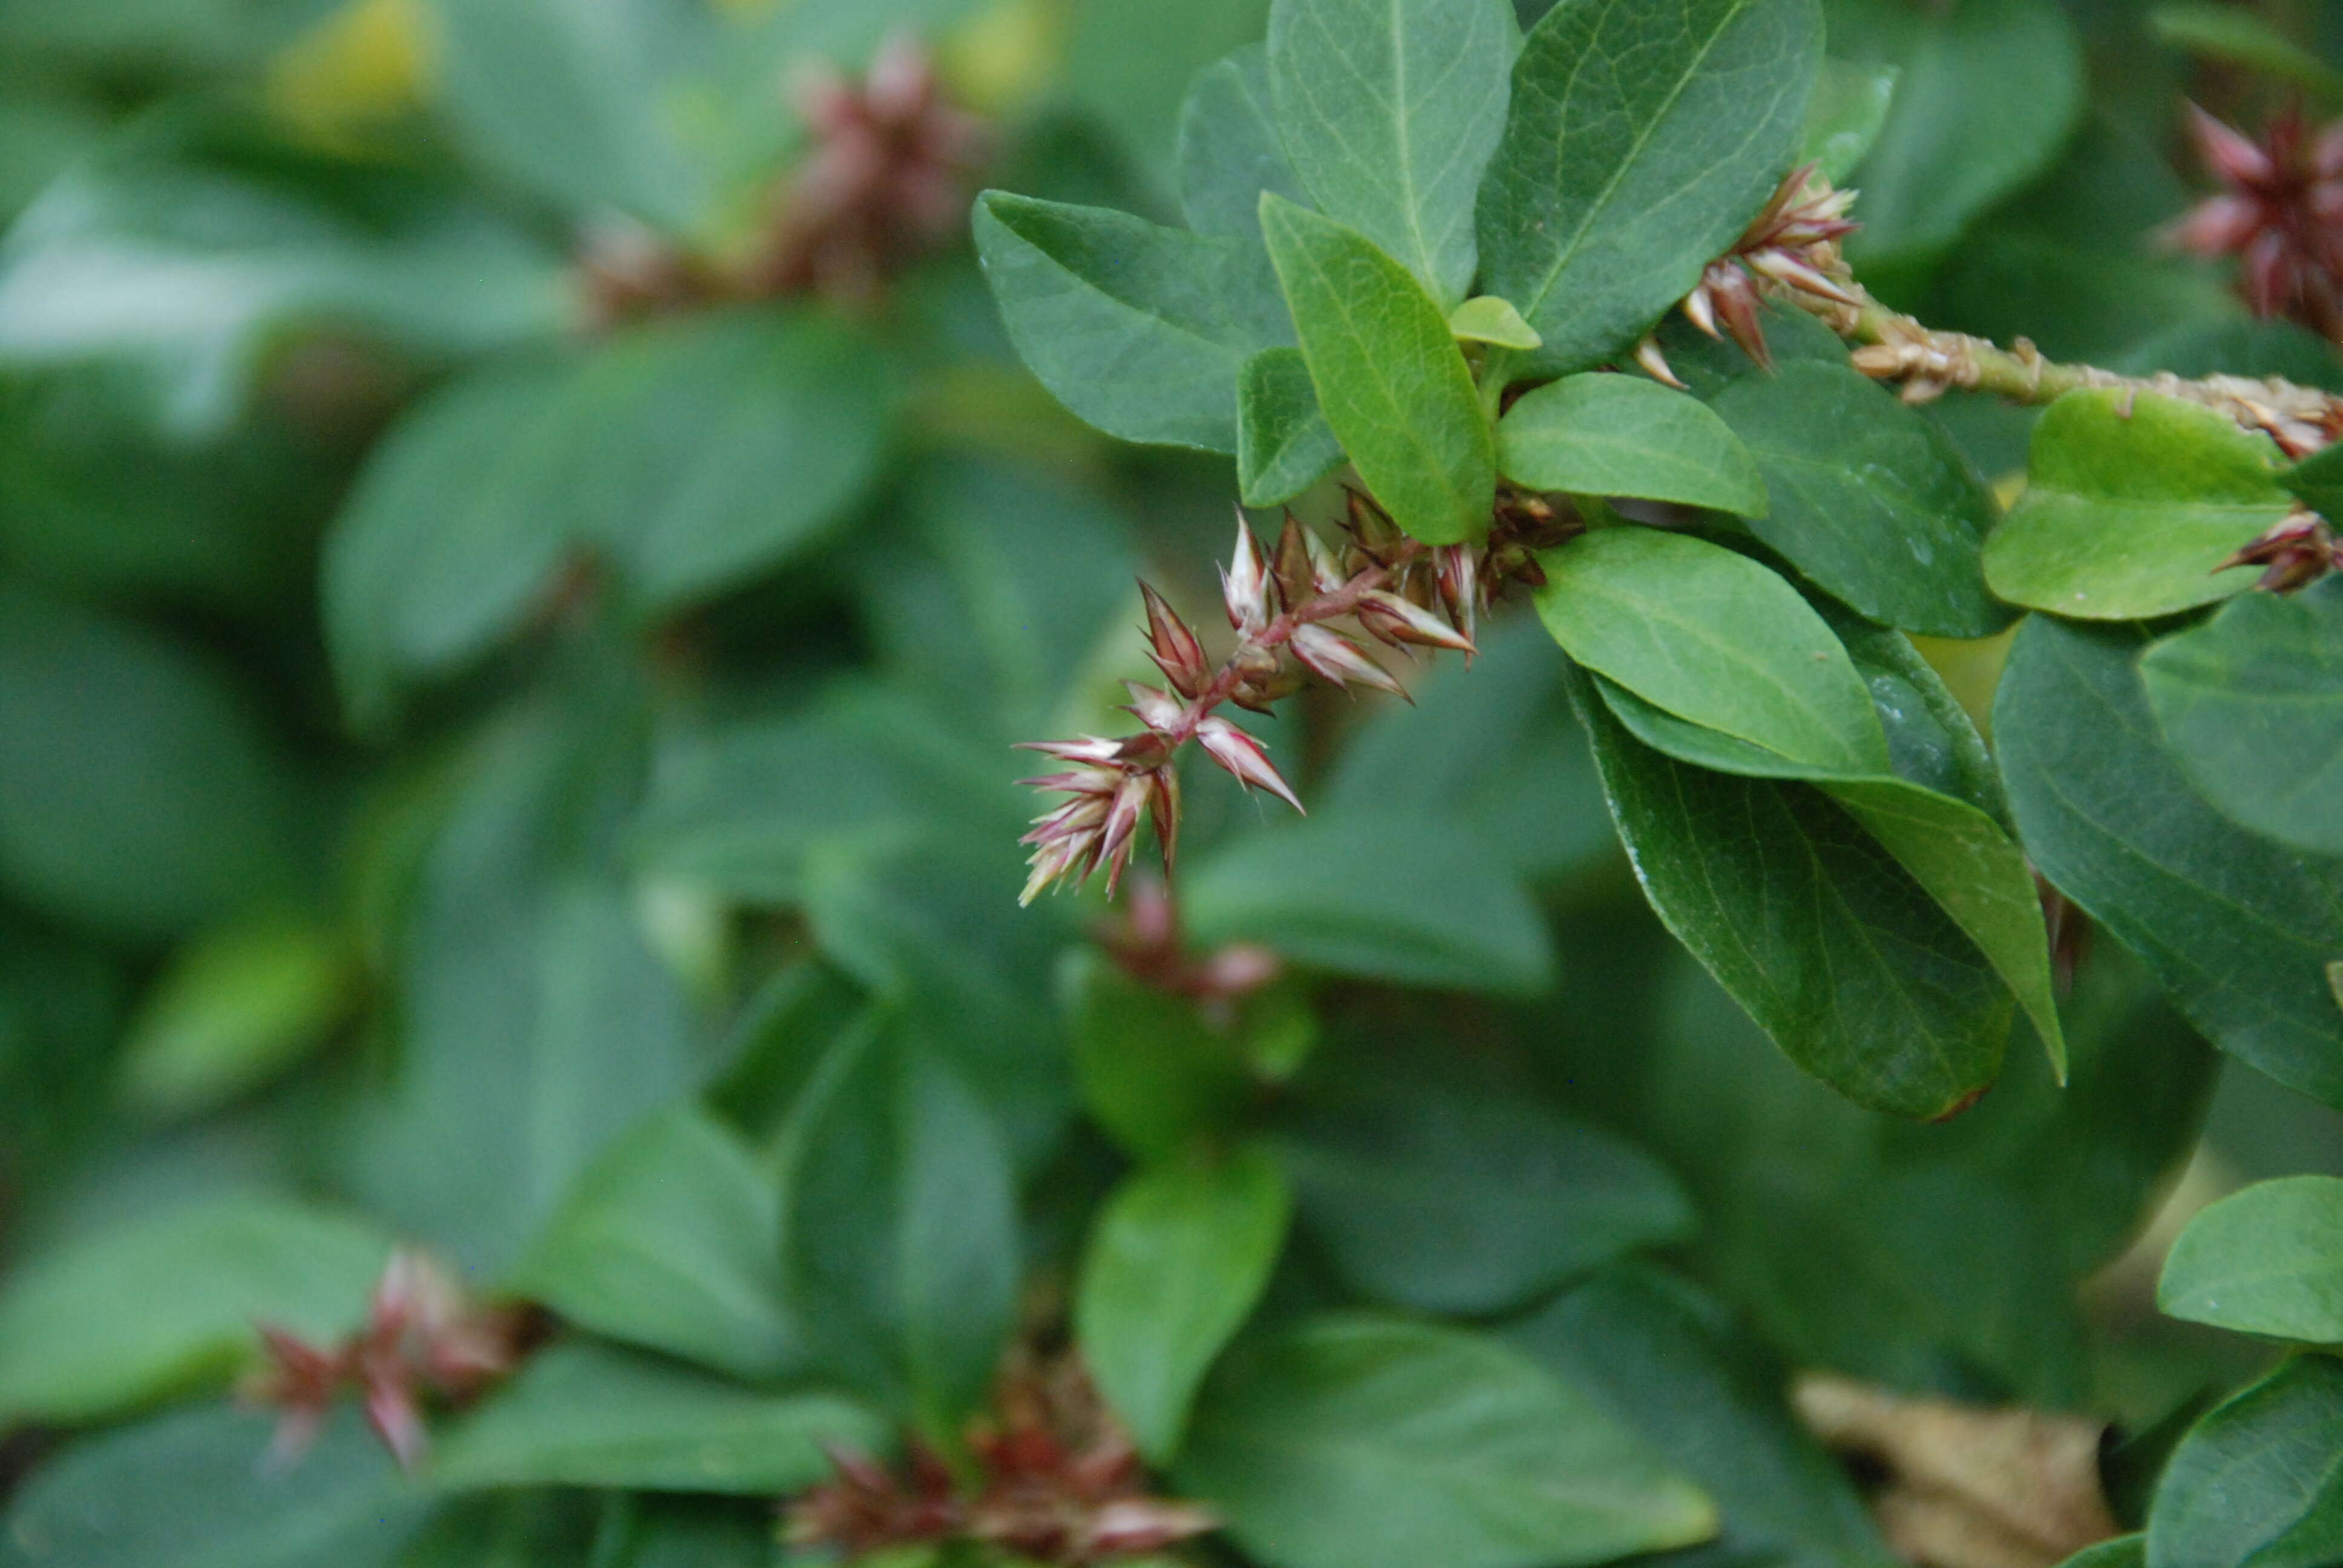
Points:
point(1988, 92)
point(2123, 1551)
point(2131, 502)
point(671, 1240)
point(2318, 480)
point(1408, 900)
point(2231, 32)
point(1130, 64)
point(189, 1490)
point(1138, 329)
point(2251, 706)
point(2260, 1480)
point(120, 1317)
point(1154, 1075)
point(137, 792)
point(1837, 951)
point(1455, 1198)
point(1845, 116)
point(1715, 638)
point(899, 1227)
point(1640, 140)
point(2266, 1260)
point(1665, 1363)
point(1180, 1254)
point(1388, 112)
point(1357, 1441)
point(1390, 377)
point(1229, 147)
point(583, 1414)
point(1869, 499)
point(1285, 445)
point(1599, 434)
point(2238, 931)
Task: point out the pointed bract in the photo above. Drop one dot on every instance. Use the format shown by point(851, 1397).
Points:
point(1243, 757)
point(1173, 648)
point(1246, 586)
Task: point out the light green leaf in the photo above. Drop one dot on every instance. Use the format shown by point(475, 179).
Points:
point(1715, 638)
point(1139, 330)
point(1179, 1255)
point(584, 1414)
point(120, 1317)
point(2251, 706)
point(189, 1490)
point(2266, 1260)
point(1155, 1077)
point(1640, 140)
point(1844, 119)
point(899, 1227)
point(1485, 319)
point(2234, 34)
point(1836, 949)
point(1229, 148)
point(1988, 92)
point(671, 1241)
point(236, 1006)
point(1358, 1442)
point(1408, 900)
point(1458, 1199)
point(2132, 500)
point(1389, 110)
point(1391, 379)
point(2258, 1483)
point(1870, 500)
point(1601, 435)
point(2236, 929)
point(1285, 445)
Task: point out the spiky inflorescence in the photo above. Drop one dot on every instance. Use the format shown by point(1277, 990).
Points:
point(421, 1337)
point(2279, 212)
point(1385, 584)
point(1057, 1481)
point(1793, 242)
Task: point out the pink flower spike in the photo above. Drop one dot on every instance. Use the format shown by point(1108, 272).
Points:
point(1172, 647)
point(1242, 756)
point(1341, 660)
point(1078, 781)
point(1113, 850)
point(1459, 574)
point(2228, 154)
point(390, 1410)
point(1784, 267)
point(1089, 749)
point(1245, 587)
point(1397, 620)
point(1157, 709)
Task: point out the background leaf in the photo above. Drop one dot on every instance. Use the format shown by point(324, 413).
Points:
point(2266, 1260)
point(2260, 1479)
point(1285, 445)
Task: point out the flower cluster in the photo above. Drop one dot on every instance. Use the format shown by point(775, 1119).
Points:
point(1058, 1482)
point(2279, 212)
point(421, 1336)
point(1387, 586)
point(1794, 243)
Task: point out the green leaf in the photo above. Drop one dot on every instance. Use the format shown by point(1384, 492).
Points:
point(2123, 1551)
point(1849, 110)
point(1408, 900)
point(1390, 377)
point(1285, 445)
point(192, 248)
point(2259, 1482)
point(1129, 64)
point(1138, 330)
point(1450, 1197)
point(2251, 706)
point(122, 1316)
point(2266, 1260)
point(1179, 1255)
point(2317, 479)
point(2132, 500)
point(2237, 930)
point(1358, 1442)
point(189, 1490)
point(1485, 319)
point(671, 1241)
point(1988, 92)
point(2230, 33)
point(1870, 500)
point(137, 793)
point(1639, 143)
point(899, 1227)
point(1665, 1363)
point(235, 1008)
point(583, 1414)
point(1830, 945)
point(1599, 434)
point(1155, 1076)
point(1389, 111)
point(1229, 147)
point(1712, 636)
